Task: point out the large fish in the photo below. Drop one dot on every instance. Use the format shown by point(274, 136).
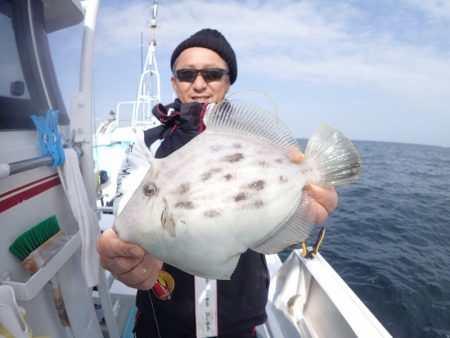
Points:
point(233, 187)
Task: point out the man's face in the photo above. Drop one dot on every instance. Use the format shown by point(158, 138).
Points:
point(200, 90)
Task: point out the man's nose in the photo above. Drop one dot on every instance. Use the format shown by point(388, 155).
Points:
point(199, 82)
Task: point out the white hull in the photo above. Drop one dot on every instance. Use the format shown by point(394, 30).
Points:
point(307, 298)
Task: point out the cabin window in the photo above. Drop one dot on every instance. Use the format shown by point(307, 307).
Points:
point(12, 81)
point(28, 84)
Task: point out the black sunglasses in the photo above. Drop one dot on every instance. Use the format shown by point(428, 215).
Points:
point(208, 74)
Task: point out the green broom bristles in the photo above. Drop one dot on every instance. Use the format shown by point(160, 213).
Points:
point(34, 238)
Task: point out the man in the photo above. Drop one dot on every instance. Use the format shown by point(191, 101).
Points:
point(204, 66)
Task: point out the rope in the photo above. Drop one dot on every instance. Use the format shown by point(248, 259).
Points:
point(49, 137)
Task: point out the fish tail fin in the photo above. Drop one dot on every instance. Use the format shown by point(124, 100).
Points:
point(294, 231)
point(330, 158)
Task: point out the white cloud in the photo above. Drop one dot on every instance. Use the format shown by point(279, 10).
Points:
point(435, 9)
point(249, 26)
point(118, 29)
point(298, 40)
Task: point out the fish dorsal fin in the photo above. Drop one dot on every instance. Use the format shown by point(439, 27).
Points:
point(248, 119)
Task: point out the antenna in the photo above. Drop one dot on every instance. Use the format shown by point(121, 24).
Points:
point(154, 22)
point(149, 92)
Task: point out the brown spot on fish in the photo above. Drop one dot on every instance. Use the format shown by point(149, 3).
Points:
point(228, 177)
point(237, 145)
point(185, 205)
point(211, 213)
point(253, 204)
point(258, 204)
point(207, 175)
point(242, 196)
point(183, 188)
point(279, 160)
point(216, 148)
point(172, 172)
point(233, 157)
point(263, 164)
point(257, 185)
point(283, 179)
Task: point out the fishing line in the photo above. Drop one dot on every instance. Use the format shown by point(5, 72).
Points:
point(273, 112)
point(154, 313)
point(263, 93)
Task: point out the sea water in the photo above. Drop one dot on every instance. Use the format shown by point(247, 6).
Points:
point(389, 239)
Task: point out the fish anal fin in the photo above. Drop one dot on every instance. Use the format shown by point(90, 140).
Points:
point(295, 230)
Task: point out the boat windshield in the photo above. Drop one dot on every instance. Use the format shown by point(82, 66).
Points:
point(12, 81)
point(27, 83)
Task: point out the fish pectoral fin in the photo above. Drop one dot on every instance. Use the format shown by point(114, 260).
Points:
point(297, 228)
point(167, 222)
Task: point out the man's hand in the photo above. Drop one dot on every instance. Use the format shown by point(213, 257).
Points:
point(127, 262)
point(325, 199)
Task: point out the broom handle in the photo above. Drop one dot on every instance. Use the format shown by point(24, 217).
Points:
point(60, 307)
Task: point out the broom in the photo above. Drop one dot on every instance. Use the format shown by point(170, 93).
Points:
point(34, 248)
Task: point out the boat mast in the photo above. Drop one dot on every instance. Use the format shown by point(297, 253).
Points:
point(149, 84)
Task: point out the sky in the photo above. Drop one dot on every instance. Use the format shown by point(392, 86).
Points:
point(376, 70)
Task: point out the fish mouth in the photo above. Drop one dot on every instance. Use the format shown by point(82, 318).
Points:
point(163, 217)
point(167, 222)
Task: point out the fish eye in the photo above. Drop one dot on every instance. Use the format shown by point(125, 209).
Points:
point(150, 189)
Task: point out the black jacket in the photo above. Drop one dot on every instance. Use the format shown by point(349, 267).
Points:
point(241, 300)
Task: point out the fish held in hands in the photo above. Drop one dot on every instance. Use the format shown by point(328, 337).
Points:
point(236, 186)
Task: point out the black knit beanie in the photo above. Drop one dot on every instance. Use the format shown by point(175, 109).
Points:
point(211, 39)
